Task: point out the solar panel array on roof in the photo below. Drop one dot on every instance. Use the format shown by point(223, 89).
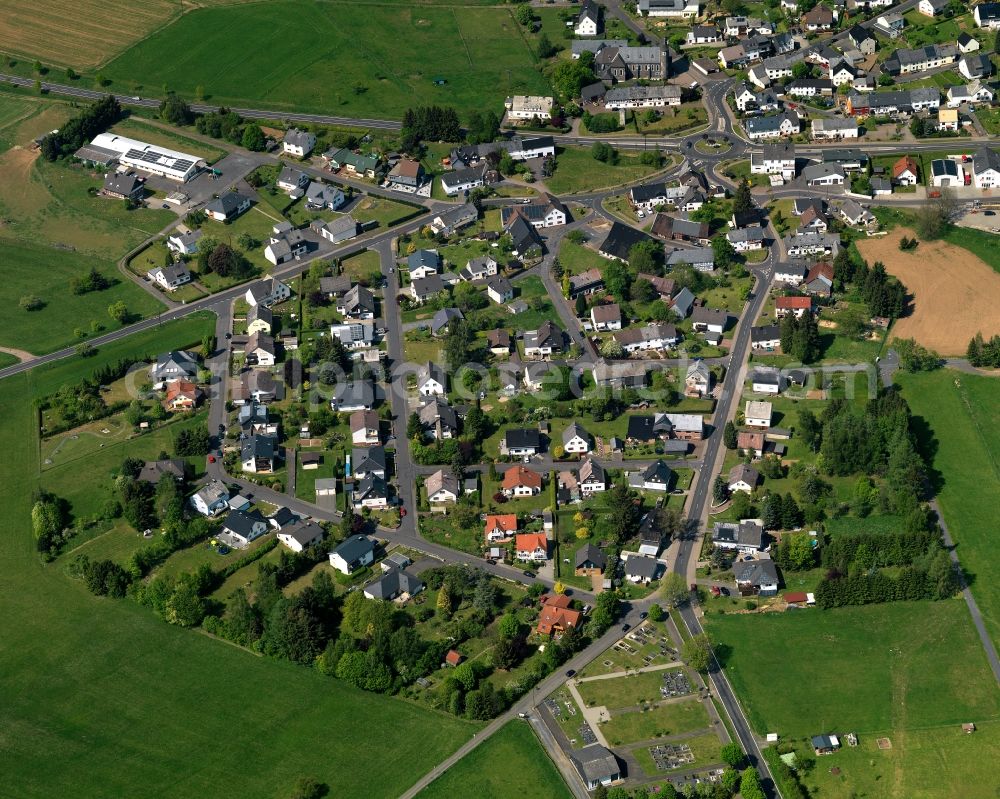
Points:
point(154, 157)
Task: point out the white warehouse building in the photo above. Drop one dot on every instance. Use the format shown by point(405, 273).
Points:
point(149, 158)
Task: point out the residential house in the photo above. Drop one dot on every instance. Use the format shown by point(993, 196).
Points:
point(796, 306)
point(353, 163)
point(260, 350)
point(986, 168)
point(591, 478)
point(606, 317)
point(920, 59)
point(286, 246)
point(776, 159)
point(182, 395)
point(764, 380)
point(791, 273)
point(701, 258)
point(642, 569)
point(676, 9)
point(542, 212)
point(664, 286)
point(698, 380)
point(124, 186)
point(519, 481)
point(367, 461)
point(499, 289)
point(358, 303)
point(211, 499)
point(531, 547)
point(576, 440)
point(371, 492)
point(394, 584)
point(174, 365)
point(589, 19)
point(752, 441)
point(268, 291)
point(746, 239)
point(863, 40)
point(500, 527)
point(833, 129)
point(745, 537)
point(355, 334)
point(406, 175)
point(464, 180)
point(438, 419)
point(757, 414)
point(244, 528)
point(680, 228)
point(824, 174)
point(519, 442)
point(354, 553)
point(259, 454)
point(711, 320)
point(890, 24)
point(424, 288)
point(905, 171)
point(975, 66)
point(298, 142)
point(544, 342)
point(655, 477)
point(170, 277)
point(987, 15)
point(743, 478)
point(260, 319)
point(642, 97)
point(481, 268)
point(766, 338)
point(525, 107)
point(184, 241)
point(442, 487)
point(819, 18)
point(499, 342)
point(972, 94)
point(336, 286)
point(590, 561)
point(524, 238)
point(804, 244)
point(772, 127)
point(291, 179)
point(324, 196)
point(682, 303)
point(703, 34)
point(443, 318)
point(967, 43)
point(300, 535)
point(153, 471)
point(810, 87)
point(756, 577)
point(647, 197)
point(431, 379)
point(812, 221)
point(343, 228)
point(650, 337)
point(556, 616)
point(856, 215)
point(932, 8)
point(227, 207)
point(365, 428)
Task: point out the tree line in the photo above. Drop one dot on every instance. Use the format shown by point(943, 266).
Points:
point(79, 130)
point(982, 353)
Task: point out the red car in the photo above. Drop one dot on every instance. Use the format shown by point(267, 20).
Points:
point(211, 459)
point(402, 511)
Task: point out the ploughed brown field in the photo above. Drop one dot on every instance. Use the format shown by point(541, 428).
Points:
point(955, 294)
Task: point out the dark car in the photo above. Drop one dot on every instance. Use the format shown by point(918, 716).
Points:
point(570, 672)
point(626, 628)
point(643, 615)
point(989, 213)
point(526, 573)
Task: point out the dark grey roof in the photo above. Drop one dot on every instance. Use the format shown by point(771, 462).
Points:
point(393, 583)
point(657, 472)
point(756, 572)
point(765, 333)
point(427, 258)
point(152, 471)
point(576, 430)
point(227, 203)
point(241, 523)
point(335, 285)
point(354, 548)
point(126, 185)
point(519, 437)
point(747, 533)
point(365, 460)
point(985, 159)
point(591, 554)
point(642, 566)
point(443, 317)
point(258, 447)
point(304, 532)
point(596, 763)
point(372, 486)
point(621, 239)
point(282, 516)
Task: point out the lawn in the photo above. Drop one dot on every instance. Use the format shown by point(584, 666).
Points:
point(510, 765)
point(619, 692)
point(480, 52)
point(862, 669)
point(305, 479)
point(578, 171)
point(50, 203)
point(577, 258)
point(674, 120)
point(672, 718)
point(133, 706)
point(46, 272)
point(958, 419)
point(705, 749)
point(383, 211)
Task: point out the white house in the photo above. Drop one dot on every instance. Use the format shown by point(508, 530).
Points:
point(776, 159)
point(757, 414)
point(765, 381)
point(267, 292)
point(529, 107)
point(301, 535)
point(745, 537)
point(228, 206)
point(442, 487)
point(364, 428)
point(642, 97)
point(431, 380)
point(355, 553)
point(211, 499)
point(606, 317)
point(743, 478)
point(987, 15)
point(746, 239)
point(576, 440)
point(170, 277)
point(587, 23)
point(298, 142)
point(676, 9)
point(830, 128)
point(499, 290)
point(986, 168)
point(243, 528)
point(184, 241)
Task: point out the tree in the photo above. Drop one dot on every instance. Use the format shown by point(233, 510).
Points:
point(253, 138)
point(118, 311)
point(724, 253)
point(569, 77)
point(604, 152)
point(185, 608)
point(656, 613)
point(646, 256)
point(674, 589)
point(524, 15)
point(720, 491)
point(934, 217)
point(915, 357)
point(810, 429)
point(30, 302)
point(308, 788)
point(697, 653)
point(444, 600)
point(414, 427)
point(545, 47)
point(71, 74)
point(623, 516)
point(750, 785)
point(732, 755)
point(581, 305)
point(742, 199)
point(729, 435)
point(175, 111)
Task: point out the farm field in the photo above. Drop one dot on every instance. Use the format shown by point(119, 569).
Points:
point(959, 416)
point(480, 52)
point(101, 728)
point(45, 272)
point(78, 34)
point(882, 668)
point(526, 770)
point(951, 302)
point(577, 170)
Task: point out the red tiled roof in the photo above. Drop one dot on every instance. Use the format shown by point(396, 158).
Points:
point(519, 476)
point(529, 542)
point(505, 523)
point(793, 302)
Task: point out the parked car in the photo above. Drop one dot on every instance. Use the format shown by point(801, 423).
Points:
point(527, 573)
point(626, 628)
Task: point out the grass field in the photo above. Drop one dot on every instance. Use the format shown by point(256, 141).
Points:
point(78, 34)
point(670, 719)
point(622, 691)
point(577, 170)
point(480, 52)
point(510, 765)
point(46, 272)
point(133, 706)
point(959, 415)
point(864, 669)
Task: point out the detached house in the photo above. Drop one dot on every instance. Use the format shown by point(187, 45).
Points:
point(365, 428)
point(757, 414)
point(655, 477)
point(590, 561)
point(556, 616)
point(228, 206)
point(438, 419)
point(606, 317)
point(642, 569)
point(170, 277)
point(576, 440)
point(743, 478)
point(357, 303)
point(519, 442)
point(519, 481)
point(259, 454)
point(543, 342)
point(796, 306)
point(343, 228)
point(298, 142)
point(243, 528)
point(431, 380)
point(698, 381)
point(211, 499)
point(269, 291)
point(746, 537)
point(355, 553)
point(531, 547)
